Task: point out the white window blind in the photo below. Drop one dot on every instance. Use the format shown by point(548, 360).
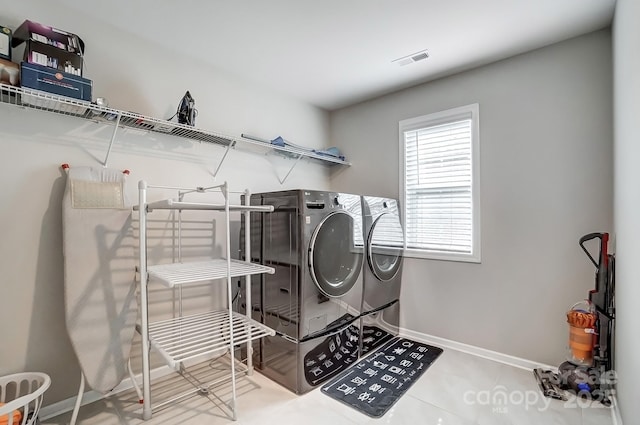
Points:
point(439, 184)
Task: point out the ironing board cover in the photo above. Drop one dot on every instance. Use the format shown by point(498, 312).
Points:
point(99, 273)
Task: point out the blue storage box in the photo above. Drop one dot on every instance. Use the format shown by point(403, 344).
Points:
point(56, 82)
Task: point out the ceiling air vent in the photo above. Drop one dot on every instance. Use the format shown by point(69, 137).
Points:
point(412, 58)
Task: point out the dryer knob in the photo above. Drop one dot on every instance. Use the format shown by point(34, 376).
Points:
point(336, 200)
point(385, 205)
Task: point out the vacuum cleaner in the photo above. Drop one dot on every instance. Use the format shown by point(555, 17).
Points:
point(588, 371)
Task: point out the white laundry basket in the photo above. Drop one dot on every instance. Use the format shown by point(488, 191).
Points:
point(22, 392)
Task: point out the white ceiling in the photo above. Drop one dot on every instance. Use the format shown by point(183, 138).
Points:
point(333, 53)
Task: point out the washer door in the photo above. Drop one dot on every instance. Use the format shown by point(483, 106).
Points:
point(384, 246)
point(336, 254)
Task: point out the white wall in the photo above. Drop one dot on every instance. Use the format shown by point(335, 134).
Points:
point(546, 180)
point(626, 95)
point(135, 76)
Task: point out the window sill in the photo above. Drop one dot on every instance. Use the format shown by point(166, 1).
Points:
point(442, 256)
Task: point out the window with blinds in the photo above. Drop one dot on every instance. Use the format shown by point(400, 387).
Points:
point(440, 185)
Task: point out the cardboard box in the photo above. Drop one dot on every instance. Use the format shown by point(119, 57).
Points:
point(9, 73)
point(46, 55)
point(62, 40)
point(5, 43)
point(49, 80)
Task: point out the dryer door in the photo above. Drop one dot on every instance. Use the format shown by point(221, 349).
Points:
point(336, 254)
point(384, 246)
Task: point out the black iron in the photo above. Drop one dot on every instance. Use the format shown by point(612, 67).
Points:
point(187, 110)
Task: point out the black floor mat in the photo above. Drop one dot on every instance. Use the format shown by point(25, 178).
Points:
point(372, 338)
point(376, 382)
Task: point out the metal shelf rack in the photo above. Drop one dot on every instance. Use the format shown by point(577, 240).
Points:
point(35, 99)
point(184, 338)
point(175, 274)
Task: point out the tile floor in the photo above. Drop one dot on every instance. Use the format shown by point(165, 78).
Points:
point(457, 389)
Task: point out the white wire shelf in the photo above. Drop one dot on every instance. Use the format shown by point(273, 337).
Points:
point(202, 271)
point(292, 151)
point(184, 338)
point(170, 204)
point(36, 99)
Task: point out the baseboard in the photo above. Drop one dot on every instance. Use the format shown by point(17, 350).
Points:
point(615, 412)
point(91, 396)
point(476, 351)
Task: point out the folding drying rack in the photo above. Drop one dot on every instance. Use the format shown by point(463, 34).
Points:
point(184, 338)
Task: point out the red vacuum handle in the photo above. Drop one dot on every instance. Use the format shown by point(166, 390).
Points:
point(603, 259)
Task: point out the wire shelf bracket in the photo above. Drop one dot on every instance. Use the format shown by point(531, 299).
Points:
point(295, 162)
point(113, 138)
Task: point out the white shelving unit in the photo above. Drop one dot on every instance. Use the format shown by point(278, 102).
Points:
point(178, 273)
point(183, 338)
point(35, 99)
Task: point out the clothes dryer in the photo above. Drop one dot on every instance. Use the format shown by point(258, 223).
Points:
point(382, 272)
point(315, 242)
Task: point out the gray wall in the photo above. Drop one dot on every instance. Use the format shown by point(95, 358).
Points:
point(135, 76)
point(626, 95)
point(546, 180)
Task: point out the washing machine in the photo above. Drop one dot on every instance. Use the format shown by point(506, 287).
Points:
point(315, 242)
point(382, 271)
